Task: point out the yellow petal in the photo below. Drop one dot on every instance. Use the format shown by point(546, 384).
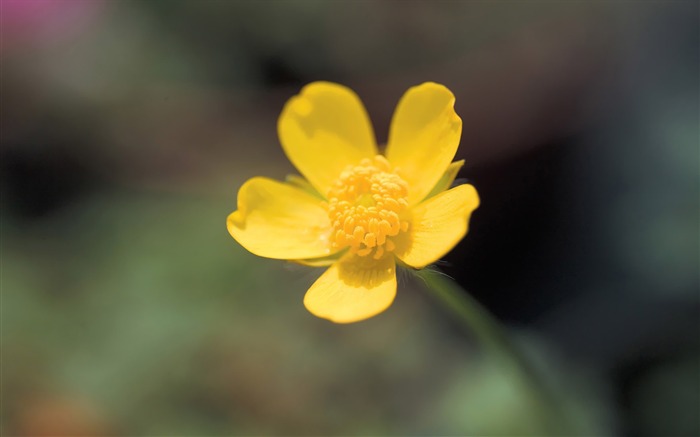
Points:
point(302, 183)
point(319, 262)
point(447, 178)
point(424, 137)
point(280, 221)
point(323, 130)
point(353, 289)
point(437, 225)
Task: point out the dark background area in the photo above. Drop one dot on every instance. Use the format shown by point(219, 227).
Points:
point(128, 127)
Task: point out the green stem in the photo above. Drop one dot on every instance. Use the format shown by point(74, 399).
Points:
point(490, 334)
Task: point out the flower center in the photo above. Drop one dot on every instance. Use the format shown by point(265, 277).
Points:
point(365, 207)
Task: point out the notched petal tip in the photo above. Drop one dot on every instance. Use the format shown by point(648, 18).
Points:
point(235, 220)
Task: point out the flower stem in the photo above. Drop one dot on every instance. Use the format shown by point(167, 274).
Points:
point(488, 331)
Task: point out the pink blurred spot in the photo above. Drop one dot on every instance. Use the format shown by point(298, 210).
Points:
point(42, 21)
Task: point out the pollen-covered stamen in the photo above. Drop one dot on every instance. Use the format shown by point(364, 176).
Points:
point(365, 207)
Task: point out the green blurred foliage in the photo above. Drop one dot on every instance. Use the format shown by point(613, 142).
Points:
point(127, 309)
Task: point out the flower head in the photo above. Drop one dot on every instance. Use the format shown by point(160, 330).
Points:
point(358, 211)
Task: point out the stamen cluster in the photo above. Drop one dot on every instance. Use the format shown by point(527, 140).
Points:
point(365, 207)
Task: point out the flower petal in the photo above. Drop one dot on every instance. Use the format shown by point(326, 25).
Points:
point(437, 225)
point(353, 289)
point(277, 220)
point(304, 185)
point(447, 179)
point(323, 130)
point(424, 137)
point(319, 262)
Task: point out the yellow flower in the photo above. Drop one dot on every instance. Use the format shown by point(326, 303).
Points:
point(357, 211)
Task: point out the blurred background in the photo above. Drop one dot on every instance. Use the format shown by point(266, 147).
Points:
point(128, 127)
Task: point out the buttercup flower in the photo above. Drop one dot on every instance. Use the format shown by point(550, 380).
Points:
point(357, 211)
